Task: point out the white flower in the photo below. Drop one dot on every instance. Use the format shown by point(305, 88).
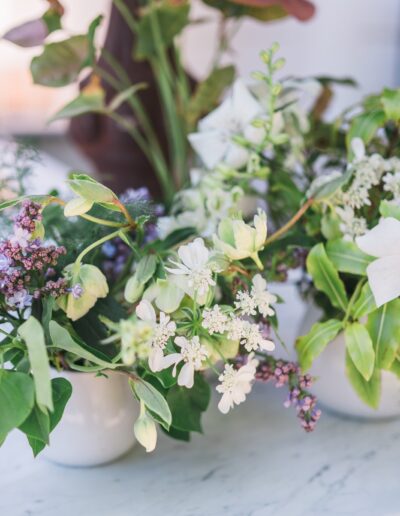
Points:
point(214, 320)
point(249, 335)
point(135, 340)
point(350, 225)
point(21, 299)
point(162, 331)
point(237, 240)
point(245, 303)
point(358, 148)
point(321, 181)
point(383, 242)
point(195, 269)
point(236, 383)
point(192, 353)
point(392, 184)
point(20, 237)
point(262, 298)
point(214, 141)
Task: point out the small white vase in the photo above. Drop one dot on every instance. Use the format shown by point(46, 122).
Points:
point(333, 389)
point(97, 425)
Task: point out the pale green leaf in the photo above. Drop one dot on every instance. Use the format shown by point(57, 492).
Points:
point(360, 348)
point(369, 391)
point(347, 257)
point(152, 398)
point(384, 328)
point(311, 345)
point(17, 397)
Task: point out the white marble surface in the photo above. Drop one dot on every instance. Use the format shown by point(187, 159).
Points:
point(256, 461)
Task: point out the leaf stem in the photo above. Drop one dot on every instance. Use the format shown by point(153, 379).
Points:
point(291, 222)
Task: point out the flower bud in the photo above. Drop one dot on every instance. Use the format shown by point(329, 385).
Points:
point(145, 430)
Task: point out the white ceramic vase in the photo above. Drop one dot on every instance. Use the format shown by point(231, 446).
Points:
point(97, 425)
point(334, 390)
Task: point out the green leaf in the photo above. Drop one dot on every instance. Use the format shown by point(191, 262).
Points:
point(208, 93)
point(364, 126)
point(37, 426)
point(90, 189)
point(179, 435)
point(330, 226)
point(325, 277)
point(133, 289)
point(326, 190)
point(389, 209)
point(61, 62)
point(40, 199)
point(369, 391)
point(360, 348)
point(311, 345)
point(17, 396)
point(170, 18)
point(391, 104)
point(62, 391)
point(63, 340)
point(146, 268)
point(235, 10)
point(32, 333)
point(187, 405)
point(125, 95)
point(152, 398)
point(364, 304)
point(347, 257)
point(86, 102)
point(384, 328)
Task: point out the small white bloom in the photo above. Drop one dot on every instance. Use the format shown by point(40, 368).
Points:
point(262, 297)
point(383, 242)
point(236, 384)
point(249, 335)
point(392, 184)
point(145, 430)
point(20, 237)
point(135, 340)
point(245, 303)
point(214, 320)
point(194, 267)
point(193, 354)
point(214, 141)
point(350, 225)
point(162, 332)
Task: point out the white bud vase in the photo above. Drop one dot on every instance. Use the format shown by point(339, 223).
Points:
point(332, 387)
point(97, 425)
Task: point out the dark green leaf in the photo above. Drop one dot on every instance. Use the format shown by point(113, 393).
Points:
point(311, 345)
point(360, 348)
point(37, 426)
point(326, 277)
point(369, 391)
point(347, 257)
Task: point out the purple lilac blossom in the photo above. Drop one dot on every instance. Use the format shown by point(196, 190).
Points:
point(76, 291)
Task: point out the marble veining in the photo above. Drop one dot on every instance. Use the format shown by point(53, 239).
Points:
point(256, 461)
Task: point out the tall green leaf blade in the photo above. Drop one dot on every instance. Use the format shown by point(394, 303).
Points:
point(368, 391)
point(17, 397)
point(360, 348)
point(347, 257)
point(32, 333)
point(384, 328)
point(326, 277)
point(311, 345)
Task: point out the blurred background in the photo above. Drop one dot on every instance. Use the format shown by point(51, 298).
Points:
point(357, 38)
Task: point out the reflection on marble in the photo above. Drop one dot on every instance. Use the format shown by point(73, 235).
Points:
point(256, 461)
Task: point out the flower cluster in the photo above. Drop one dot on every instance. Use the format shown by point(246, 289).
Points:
point(288, 373)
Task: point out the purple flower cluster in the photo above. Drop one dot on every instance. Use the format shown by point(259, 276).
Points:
point(22, 259)
point(288, 373)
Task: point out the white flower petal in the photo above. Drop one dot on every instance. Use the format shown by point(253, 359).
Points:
point(245, 106)
point(225, 403)
point(145, 311)
point(236, 156)
point(210, 146)
point(382, 240)
point(384, 279)
point(186, 376)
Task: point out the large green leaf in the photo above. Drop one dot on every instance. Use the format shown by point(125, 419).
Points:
point(391, 103)
point(369, 391)
point(61, 62)
point(146, 268)
point(32, 333)
point(63, 340)
point(168, 18)
point(326, 277)
point(152, 398)
point(17, 397)
point(384, 328)
point(311, 345)
point(347, 257)
point(360, 348)
point(85, 102)
point(364, 126)
point(208, 93)
point(37, 426)
point(364, 304)
point(389, 209)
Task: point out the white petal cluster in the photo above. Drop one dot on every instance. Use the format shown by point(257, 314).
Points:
point(214, 320)
point(236, 384)
point(392, 184)
point(350, 225)
point(259, 299)
point(192, 354)
point(249, 335)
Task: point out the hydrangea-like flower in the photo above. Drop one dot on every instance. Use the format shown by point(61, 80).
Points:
point(350, 225)
point(194, 268)
point(135, 338)
point(238, 240)
point(236, 384)
point(162, 332)
point(214, 320)
point(262, 297)
point(215, 140)
point(192, 354)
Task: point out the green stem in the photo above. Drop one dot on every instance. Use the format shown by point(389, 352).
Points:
point(353, 298)
point(127, 15)
point(95, 244)
point(291, 222)
point(103, 222)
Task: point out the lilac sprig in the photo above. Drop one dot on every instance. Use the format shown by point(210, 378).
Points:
point(286, 373)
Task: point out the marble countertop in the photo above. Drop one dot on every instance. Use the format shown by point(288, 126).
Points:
point(256, 461)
